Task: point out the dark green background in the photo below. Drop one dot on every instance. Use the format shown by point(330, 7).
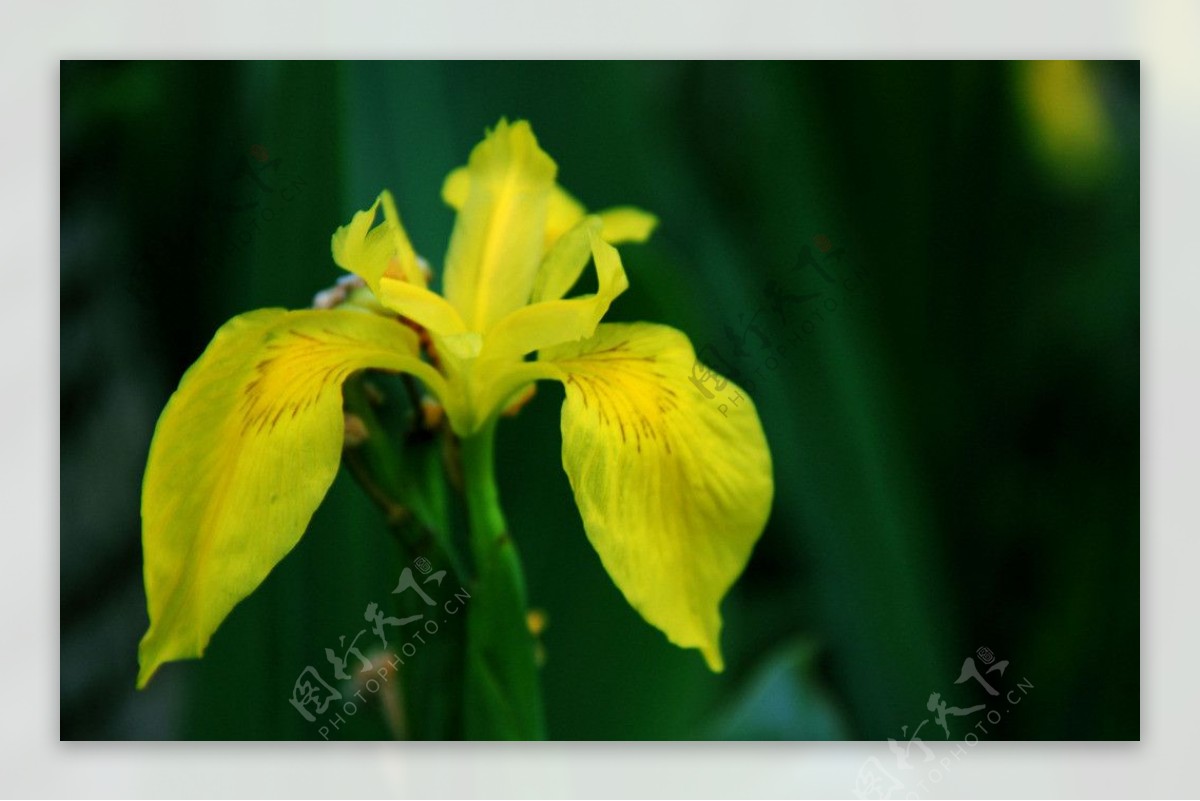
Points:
point(955, 444)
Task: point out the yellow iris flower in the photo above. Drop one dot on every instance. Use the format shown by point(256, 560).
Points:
point(673, 489)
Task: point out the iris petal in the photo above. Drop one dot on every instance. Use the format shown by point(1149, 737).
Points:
point(243, 453)
point(498, 236)
point(374, 252)
point(674, 487)
point(550, 322)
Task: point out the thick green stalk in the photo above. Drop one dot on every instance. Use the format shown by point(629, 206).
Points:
point(503, 697)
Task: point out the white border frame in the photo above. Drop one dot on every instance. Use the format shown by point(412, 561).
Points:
point(35, 35)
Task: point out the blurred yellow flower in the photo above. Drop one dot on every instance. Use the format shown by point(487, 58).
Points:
point(1071, 131)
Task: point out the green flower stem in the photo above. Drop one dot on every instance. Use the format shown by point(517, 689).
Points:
point(503, 698)
point(404, 478)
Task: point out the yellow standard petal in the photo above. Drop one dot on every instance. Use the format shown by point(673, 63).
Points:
point(563, 212)
point(674, 490)
point(498, 237)
point(500, 374)
point(242, 455)
point(550, 319)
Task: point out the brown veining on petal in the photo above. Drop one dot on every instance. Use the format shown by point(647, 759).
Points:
point(614, 383)
point(293, 375)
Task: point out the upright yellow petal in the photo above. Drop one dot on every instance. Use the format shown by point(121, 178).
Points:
point(500, 373)
point(242, 455)
point(372, 253)
point(498, 238)
point(549, 322)
point(563, 212)
point(674, 487)
point(565, 261)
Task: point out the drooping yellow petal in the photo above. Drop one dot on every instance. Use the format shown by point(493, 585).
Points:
point(674, 487)
point(498, 237)
point(372, 253)
point(242, 455)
